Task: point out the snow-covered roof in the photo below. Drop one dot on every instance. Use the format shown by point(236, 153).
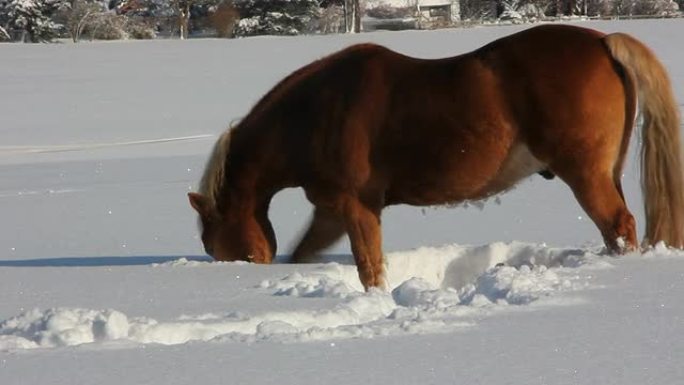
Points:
point(434, 3)
point(408, 3)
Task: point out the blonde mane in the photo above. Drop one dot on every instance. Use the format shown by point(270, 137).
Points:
point(214, 172)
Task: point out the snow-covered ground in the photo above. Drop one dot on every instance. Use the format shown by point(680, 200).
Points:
point(102, 280)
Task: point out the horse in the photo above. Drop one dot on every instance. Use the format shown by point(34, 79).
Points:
point(366, 127)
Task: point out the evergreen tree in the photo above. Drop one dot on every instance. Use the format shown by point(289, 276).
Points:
point(276, 17)
point(33, 17)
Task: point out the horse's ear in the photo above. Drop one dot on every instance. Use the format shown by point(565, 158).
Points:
point(198, 202)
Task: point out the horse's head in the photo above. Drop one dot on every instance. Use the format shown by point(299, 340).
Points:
point(234, 235)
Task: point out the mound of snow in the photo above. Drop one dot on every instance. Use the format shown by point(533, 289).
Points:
point(62, 327)
point(331, 280)
point(508, 285)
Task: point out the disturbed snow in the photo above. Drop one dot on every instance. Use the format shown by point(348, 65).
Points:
point(432, 290)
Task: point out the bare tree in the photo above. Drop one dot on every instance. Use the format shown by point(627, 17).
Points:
point(352, 16)
point(80, 15)
point(223, 18)
point(331, 19)
point(182, 9)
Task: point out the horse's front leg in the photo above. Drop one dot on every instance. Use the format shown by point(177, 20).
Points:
point(325, 229)
point(260, 237)
point(362, 222)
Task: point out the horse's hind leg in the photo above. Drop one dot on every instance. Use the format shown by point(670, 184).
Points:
point(324, 230)
point(600, 196)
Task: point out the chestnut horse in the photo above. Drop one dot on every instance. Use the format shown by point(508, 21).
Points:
point(367, 127)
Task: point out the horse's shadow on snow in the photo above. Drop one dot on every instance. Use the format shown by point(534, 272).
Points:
point(457, 273)
point(97, 261)
point(141, 260)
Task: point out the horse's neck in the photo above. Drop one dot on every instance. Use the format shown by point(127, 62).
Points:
point(250, 176)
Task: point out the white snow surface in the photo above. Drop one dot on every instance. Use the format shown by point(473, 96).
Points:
point(102, 278)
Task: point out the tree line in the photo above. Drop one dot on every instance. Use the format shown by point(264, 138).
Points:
point(46, 20)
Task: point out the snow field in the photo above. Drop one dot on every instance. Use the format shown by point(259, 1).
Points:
point(432, 290)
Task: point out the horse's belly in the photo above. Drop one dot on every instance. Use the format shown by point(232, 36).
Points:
point(453, 186)
point(519, 164)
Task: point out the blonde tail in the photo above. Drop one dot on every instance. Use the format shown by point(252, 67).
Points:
point(662, 178)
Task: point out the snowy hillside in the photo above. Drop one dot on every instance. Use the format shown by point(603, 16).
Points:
point(103, 281)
